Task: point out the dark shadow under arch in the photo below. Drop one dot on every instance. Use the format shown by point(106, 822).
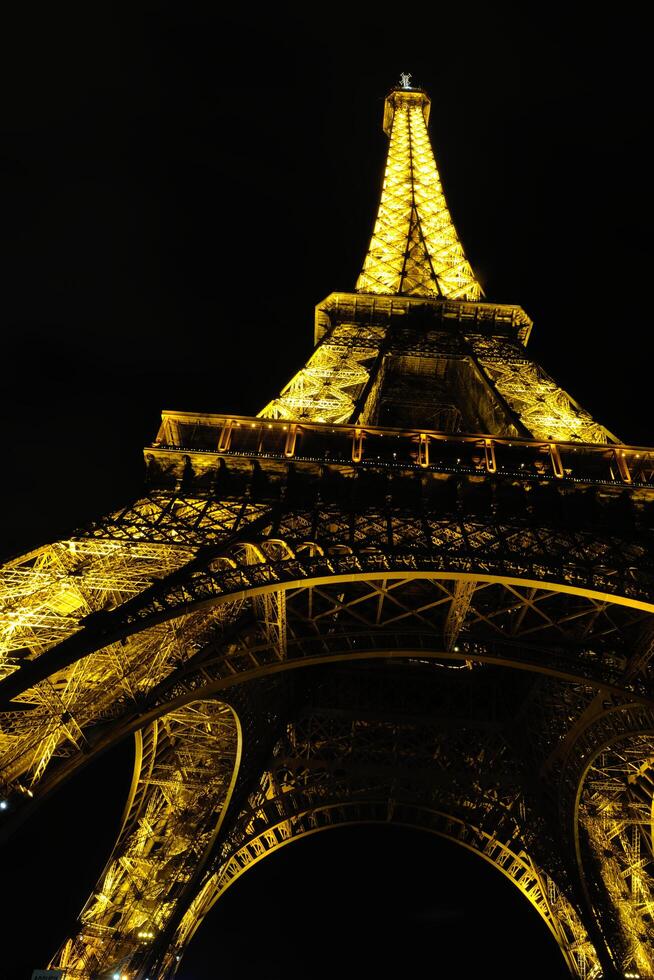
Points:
point(407, 903)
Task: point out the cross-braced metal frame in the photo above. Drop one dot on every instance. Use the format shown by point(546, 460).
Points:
point(417, 589)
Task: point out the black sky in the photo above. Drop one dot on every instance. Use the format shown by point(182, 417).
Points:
point(180, 186)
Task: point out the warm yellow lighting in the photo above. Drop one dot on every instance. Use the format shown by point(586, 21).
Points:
point(546, 411)
point(327, 388)
point(191, 569)
point(414, 248)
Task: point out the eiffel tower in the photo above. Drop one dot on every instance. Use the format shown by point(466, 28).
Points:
point(416, 589)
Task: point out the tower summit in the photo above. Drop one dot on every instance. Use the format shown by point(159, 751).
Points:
point(472, 372)
point(417, 588)
point(414, 250)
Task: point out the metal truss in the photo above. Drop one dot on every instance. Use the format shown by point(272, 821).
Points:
point(414, 248)
point(328, 388)
point(544, 409)
point(184, 774)
point(462, 595)
point(279, 588)
point(606, 802)
point(307, 606)
point(332, 543)
point(325, 622)
point(45, 593)
point(53, 592)
point(537, 630)
point(269, 554)
point(616, 814)
point(204, 451)
point(343, 766)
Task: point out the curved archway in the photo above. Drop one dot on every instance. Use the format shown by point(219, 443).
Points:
point(406, 622)
point(220, 580)
point(554, 909)
point(375, 900)
point(345, 595)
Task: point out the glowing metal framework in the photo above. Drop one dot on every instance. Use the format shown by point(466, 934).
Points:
point(414, 249)
point(425, 544)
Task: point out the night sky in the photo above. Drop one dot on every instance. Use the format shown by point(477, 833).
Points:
point(180, 186)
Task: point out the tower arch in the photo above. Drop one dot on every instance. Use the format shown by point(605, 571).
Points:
point(551, 904)
point(425, 518)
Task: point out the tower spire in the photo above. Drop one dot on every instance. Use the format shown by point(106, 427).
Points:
point(414, 248)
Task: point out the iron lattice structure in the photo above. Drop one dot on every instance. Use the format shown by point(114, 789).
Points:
point(417, 588)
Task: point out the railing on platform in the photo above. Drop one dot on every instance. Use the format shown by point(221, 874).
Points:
point(401, 448)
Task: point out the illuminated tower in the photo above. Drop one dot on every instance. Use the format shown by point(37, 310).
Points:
point(417, 589)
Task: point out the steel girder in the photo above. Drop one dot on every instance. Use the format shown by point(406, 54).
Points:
point(185, 771)
point(414, 247)
point(545, 410)
point(330, 543)
point(344, 379)
point(436, 768)
point(516, 572)
point(213, 639)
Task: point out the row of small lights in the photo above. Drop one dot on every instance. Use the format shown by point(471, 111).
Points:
point(4, 805)
point(531, 443)
point(241, 453)
point(384, 464)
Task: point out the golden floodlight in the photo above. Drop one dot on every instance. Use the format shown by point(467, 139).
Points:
point(417, 588)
